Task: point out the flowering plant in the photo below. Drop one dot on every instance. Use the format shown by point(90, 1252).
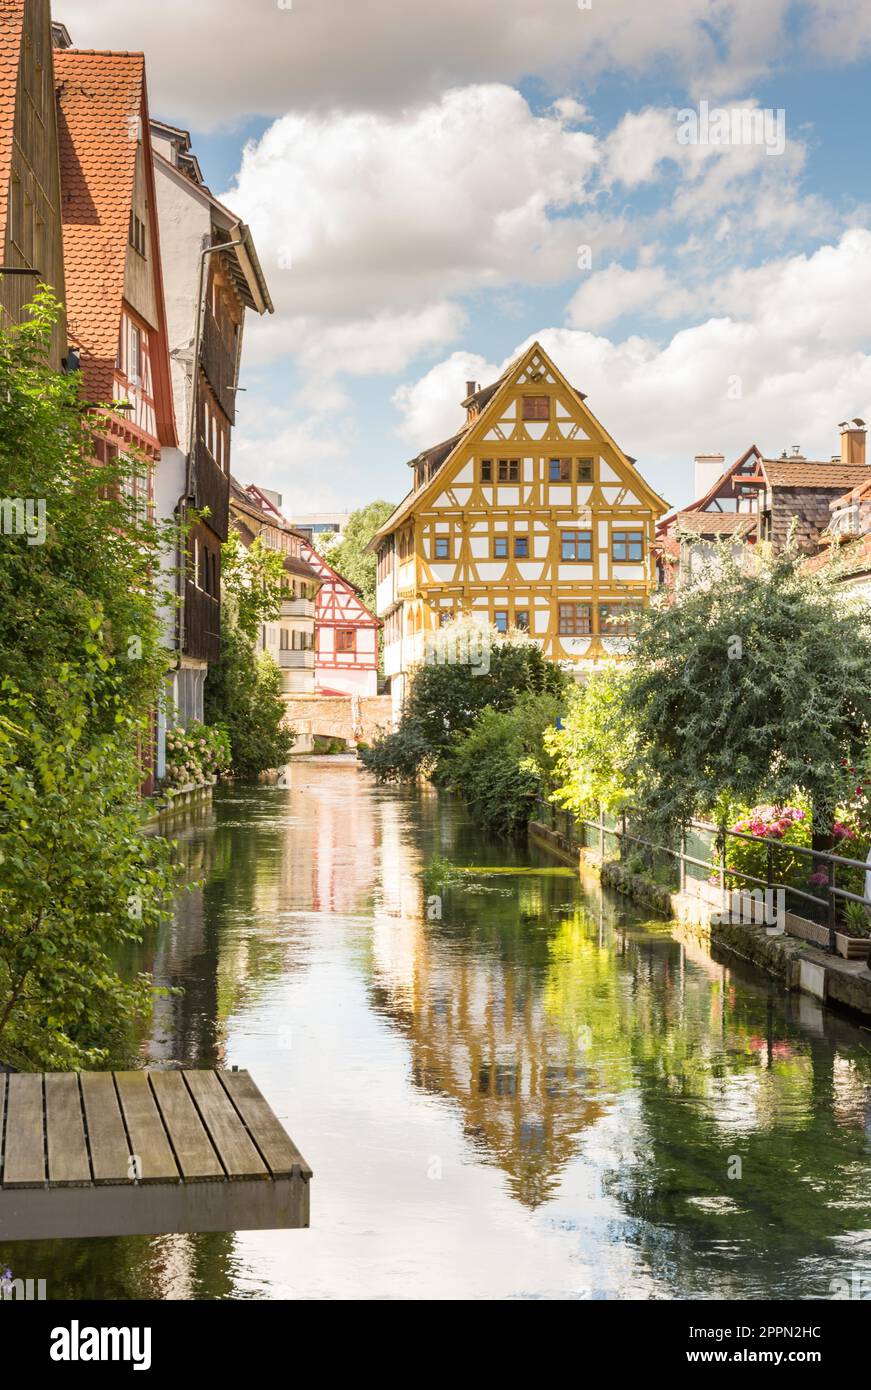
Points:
point(782, 825)
point(197, 755)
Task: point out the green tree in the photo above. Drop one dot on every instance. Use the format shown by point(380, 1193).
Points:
point(755, 682)
point(243, 689)
point(81, 670)
point(446, 697)
point(593, 749)
point(79, 878)
point(502, 765)
point(251, 583)
point(349, 555)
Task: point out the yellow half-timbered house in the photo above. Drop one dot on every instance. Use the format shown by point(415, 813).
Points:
point(530, 517)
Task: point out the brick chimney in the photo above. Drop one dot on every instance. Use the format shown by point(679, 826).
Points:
point(471, 408)
point(853, 441)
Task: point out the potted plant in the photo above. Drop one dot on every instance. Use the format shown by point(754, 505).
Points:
point(854, 942)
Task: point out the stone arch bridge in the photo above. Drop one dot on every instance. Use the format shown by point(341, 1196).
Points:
point(354, 719)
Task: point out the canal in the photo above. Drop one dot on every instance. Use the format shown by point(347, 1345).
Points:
point(507, 1086)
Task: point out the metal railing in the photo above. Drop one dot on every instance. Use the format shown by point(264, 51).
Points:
point(716, 866)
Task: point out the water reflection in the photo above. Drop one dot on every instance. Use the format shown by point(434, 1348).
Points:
point(506, 1086)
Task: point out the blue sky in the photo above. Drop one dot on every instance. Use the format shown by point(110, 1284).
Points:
point(418, 192)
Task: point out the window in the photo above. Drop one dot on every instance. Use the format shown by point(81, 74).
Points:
point(560, 470)
point(575, 619)
point(585, 470)
point(385, 559)
point(521, 619)
point(445, 616)
point(136, 234)
point(442, 548)
point(500, 619)
point(521, 547)
point(486, 470)
point(576, 545)
point(536, 407)
point(345, 639)
point(500, 547)
point(617, 619)
point(134, 369)
point(509, 470)
point(627, 545)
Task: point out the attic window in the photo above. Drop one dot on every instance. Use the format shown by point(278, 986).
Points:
point(136, 235)
point(585, 470)
point(536, 407)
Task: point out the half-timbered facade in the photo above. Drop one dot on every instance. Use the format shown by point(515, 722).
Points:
point(530, 517)
point(290, 637)
point(345, 655)
point(31, 242)
point(346, 634)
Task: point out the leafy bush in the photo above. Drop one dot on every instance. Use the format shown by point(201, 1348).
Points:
point(445, 700)
point(80, 880)
point(199, 754)
point(779, 826)
point(502, 766)
point(592, 750)
point(243, 696)
point(82, 665)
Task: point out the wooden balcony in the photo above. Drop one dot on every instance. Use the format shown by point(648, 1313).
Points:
point(219, 365)
point(202, 624)
point(212, 490)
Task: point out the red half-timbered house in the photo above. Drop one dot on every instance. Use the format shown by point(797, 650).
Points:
point(346, 632)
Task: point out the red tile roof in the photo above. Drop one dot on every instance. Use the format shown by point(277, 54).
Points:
point(100, 97)
point(668, 522)
point(11, 26)
point(716, 523)
point(814, 473)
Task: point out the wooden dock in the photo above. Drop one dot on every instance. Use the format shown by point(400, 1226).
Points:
point(144, 1153)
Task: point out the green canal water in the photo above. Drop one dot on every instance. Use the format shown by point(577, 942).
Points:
point(506, 1086)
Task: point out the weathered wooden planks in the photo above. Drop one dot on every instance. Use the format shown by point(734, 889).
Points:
point(25, 1142)
point(193, 1150)
point(129, 1152)
point(151, 1157)
point(229, 1136)
point(267, 1131)
point(65, 1130)
point(110, 1148)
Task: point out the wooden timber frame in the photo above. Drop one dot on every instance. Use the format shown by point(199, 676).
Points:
point(144, 1153)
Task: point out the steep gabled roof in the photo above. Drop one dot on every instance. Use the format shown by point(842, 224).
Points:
point(102, 117)
point(99, 104)
point(247, 502)
point(11, 30)
point(701, 503)
point(331, 576)
point(493, 396)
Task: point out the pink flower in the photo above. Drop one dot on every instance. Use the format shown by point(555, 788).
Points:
point(819, 876)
